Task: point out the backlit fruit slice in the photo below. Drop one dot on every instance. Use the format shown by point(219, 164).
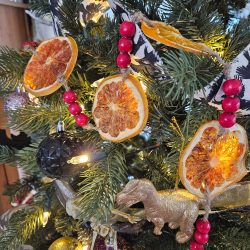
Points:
point(120, 108)
point(170, 36)
point(215, 159)
point(54, 59)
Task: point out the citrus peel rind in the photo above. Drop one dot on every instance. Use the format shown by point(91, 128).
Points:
point(51, 64)
point(120, 108)
point(170, 36)
point(214, 159)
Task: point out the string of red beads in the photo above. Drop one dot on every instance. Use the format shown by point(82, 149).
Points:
point(201, 236)
point(231, 103)
point(74, 108)
point(125, 44)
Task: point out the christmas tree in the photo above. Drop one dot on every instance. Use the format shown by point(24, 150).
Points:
point(119, 108)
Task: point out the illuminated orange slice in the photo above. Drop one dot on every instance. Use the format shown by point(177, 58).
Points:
point(53, 61)
point(170, 36)
point(214, 159)
point(120, 108)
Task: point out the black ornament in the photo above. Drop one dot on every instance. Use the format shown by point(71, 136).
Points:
point(54, 152)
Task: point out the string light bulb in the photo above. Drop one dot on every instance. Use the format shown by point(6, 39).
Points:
point(80, 159)
point(46, 215)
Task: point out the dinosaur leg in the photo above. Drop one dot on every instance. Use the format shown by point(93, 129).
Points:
point(159, 223)
point(173, 225)
point(186, 228)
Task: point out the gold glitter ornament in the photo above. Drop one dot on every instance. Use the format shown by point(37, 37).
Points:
point(66, 243)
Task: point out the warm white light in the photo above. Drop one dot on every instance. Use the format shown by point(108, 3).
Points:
point(85, 248)
point(46, 216)
point(144, 87)
point(79, 159)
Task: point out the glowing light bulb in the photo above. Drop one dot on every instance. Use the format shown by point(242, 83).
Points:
point(79, 159)
point(85, 247)
point(46, 215)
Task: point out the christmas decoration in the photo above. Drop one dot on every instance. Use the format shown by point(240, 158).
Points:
point(101, 244)
point(82, 120)
point(227, 120)
point(120, 108)
point(75, 109)
point(15, 100)
point(232, 87)
point(214, 159)
point(91, 10)
point(67, 243)
point(24, 195)
point(231, 104)
point(69, 96)
point(125, 45)
point(54, 152)
point(177, 208)
point(170, 36)
point(127, 29)
point(106, 231)
point(5, 217)
point(143, 52)
point(29, 46)
point(239, 69)
point(50, 66)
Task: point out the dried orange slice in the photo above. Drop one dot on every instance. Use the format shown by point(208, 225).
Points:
point(170, 36)
point(214, 159)
point(120, 108)
point(54, 59)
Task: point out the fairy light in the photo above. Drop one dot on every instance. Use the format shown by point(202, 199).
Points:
point(46, 215)
point(79, 159)
point(85, 247)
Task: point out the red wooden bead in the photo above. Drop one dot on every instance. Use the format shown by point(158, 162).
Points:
point(203, 226)
point(232, 87)
point(227, 120)
point(230, 104)
point(123, 60)
point(201, 238)
point(125, 45)
point(127, 29)
point(195, 246)
point(75, 108)
point(81, 119)
point(69, 96)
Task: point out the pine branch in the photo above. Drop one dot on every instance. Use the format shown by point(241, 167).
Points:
point(64, 224)
point(23, 224)
point(188, 73)
point(12, 66)
point(194, 18)
point(40, 7)
point(40, 118)
point(100, 184)
point(26, 158)
point(239, 37)
point(98, 47)
point(69, 17)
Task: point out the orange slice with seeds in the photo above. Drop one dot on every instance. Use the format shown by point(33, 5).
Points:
point(170, 36)
point(53, 61)
point(120, 108)
point(214, 159)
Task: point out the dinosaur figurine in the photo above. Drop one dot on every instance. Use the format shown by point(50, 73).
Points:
point(178, 208)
